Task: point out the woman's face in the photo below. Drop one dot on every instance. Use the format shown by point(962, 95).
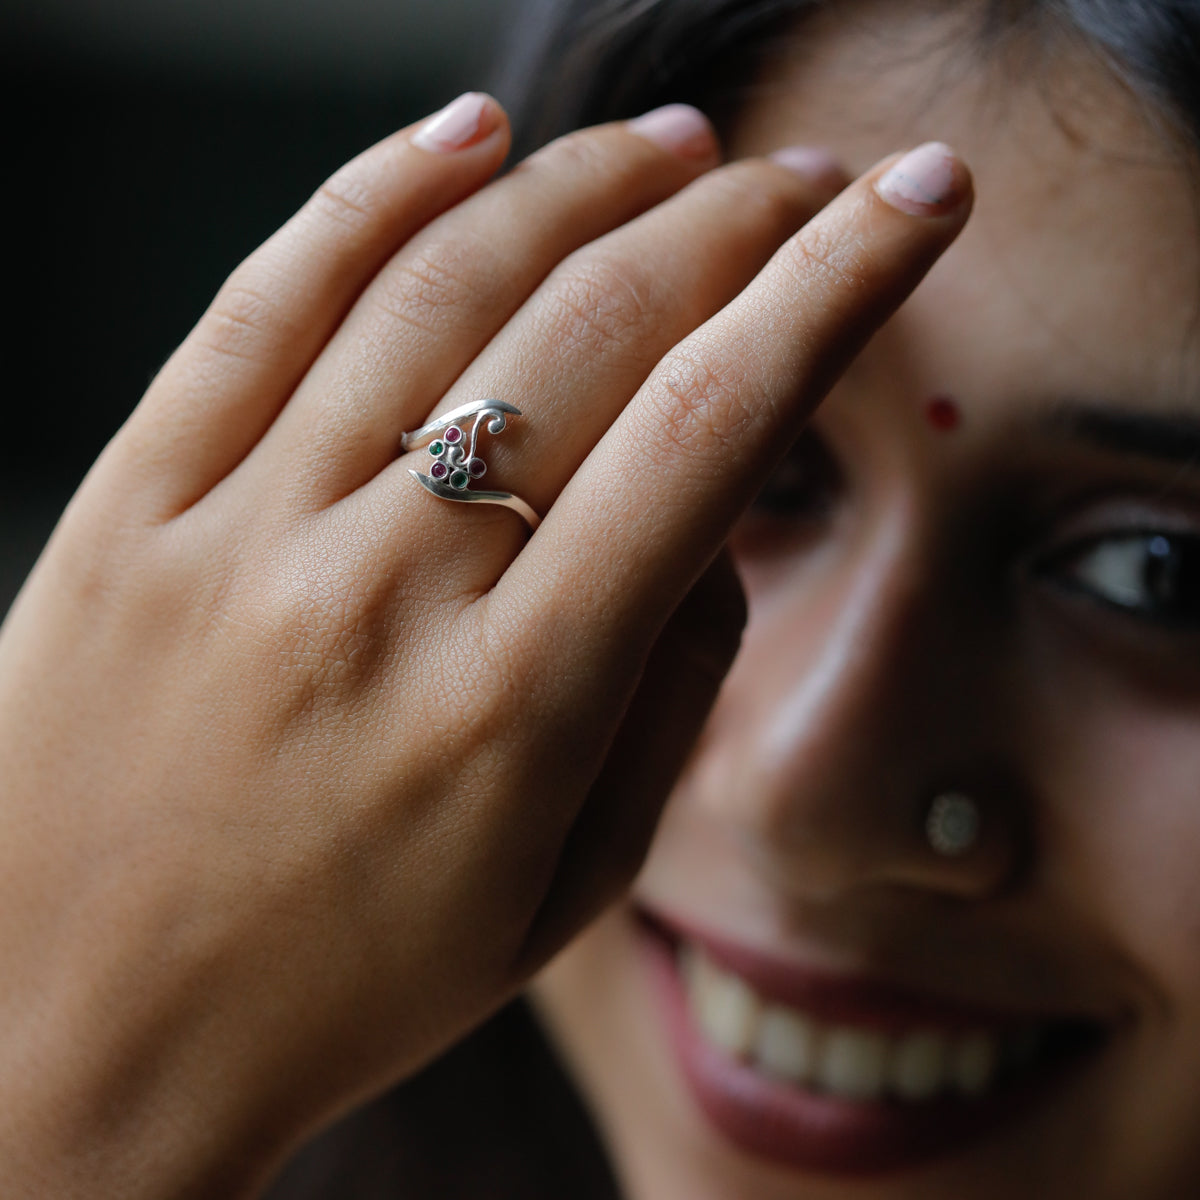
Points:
point(980, 572)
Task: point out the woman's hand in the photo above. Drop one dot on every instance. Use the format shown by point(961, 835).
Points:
point(306, 770)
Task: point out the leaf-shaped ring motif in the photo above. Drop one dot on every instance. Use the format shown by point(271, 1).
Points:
point(452, 440)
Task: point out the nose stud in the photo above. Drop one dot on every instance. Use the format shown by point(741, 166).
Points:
point(952, 823)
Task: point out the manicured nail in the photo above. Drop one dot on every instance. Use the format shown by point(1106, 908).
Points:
point(815, 164)
point(679, 128)
point(928, 181)
point(462, 123)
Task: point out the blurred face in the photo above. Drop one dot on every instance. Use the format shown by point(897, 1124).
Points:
point(978, 573)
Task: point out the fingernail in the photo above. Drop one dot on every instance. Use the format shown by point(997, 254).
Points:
point(679, 128)
point(462, 123)
point(927, 181)
point(814, 163)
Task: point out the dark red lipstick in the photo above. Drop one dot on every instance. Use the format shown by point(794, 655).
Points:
point(813, 1131)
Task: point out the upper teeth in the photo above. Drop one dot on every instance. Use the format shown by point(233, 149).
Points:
point(855, 1063)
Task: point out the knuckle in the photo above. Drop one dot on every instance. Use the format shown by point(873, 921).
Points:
point(752, 191)
point(347, 197)
point(244, 322)
point(838, 265)
point(699, 398)
point(583, 154)
point(598, 301)
point(436, 283)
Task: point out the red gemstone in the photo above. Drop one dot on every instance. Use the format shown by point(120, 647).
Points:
point(453, 435)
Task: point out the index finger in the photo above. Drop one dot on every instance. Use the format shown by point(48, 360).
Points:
point(654, 501)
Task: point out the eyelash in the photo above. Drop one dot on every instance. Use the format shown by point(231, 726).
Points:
point(1150, 575)
point(1147, 574)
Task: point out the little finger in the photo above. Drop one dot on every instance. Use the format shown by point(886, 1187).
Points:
point(445, 295)
point(225, 384)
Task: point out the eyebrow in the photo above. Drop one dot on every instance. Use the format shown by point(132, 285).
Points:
point(1168, 437)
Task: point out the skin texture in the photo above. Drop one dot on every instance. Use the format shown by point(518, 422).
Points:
point(908, 633)
point(307, 771)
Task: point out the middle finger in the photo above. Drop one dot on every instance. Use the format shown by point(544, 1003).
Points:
point(583, 344)
point(444, 295)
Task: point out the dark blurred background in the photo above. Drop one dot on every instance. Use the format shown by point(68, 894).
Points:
point(151, 145)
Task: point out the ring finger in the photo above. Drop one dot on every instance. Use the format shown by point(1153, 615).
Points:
point(580, 348)
point(446, 293)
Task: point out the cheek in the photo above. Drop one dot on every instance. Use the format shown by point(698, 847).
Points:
point(1129, 821)
point(1123, 821)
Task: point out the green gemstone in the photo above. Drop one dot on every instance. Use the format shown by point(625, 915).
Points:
point(435, 448)
point(459, 479)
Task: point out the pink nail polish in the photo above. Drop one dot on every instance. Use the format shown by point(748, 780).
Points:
point(462, 123)
point(815, 164)
point(679, 128)
point(927, 181)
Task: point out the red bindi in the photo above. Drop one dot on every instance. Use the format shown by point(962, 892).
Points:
point(943, 414)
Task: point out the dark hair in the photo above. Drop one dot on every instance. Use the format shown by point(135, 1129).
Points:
point(580, 62)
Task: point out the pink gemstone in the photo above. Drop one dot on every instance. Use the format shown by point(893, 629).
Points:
point(477, 467)
point(438, 470)
point(453, 435)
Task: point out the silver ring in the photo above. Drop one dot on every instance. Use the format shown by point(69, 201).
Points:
point(952, 823)
point(452, 440)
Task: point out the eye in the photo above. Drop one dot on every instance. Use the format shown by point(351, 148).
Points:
point(803, 486)
point(1153, 575)
point(794, 504)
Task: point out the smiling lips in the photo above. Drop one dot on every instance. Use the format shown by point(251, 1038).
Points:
point(847, 1061)
point(840, 1076)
